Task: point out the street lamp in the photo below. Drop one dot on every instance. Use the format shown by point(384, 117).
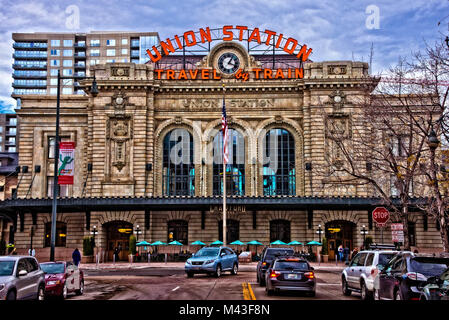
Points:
point(319, 231)
point(433, 141)
point(364, 232)
point(137, 232)
point(94, 93)
point(94, 233)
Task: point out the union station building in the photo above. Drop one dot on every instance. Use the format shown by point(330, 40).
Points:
point(148, 154)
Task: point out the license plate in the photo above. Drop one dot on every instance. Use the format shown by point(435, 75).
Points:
point(293, 276)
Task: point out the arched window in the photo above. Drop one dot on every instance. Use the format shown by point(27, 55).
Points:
point(178, 230)
point(178, 168)
point(235, 168)
point(280, 230)
point(61, 234)
point(279, 163)
point(232, 230)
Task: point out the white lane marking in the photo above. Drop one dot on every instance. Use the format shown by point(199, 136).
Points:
point(176, 288)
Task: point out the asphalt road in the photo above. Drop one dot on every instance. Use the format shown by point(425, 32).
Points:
point(172, 284)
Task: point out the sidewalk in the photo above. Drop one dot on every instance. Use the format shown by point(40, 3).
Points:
point(142, 265)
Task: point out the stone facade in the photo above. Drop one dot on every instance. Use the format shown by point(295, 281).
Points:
point(121, 131)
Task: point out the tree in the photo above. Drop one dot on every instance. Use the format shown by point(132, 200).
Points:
point(132, 245)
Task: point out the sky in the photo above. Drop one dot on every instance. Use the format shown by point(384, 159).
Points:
point(334, 29)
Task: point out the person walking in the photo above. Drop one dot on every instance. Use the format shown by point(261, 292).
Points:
point(31, 252)
point(116, 254)
point(76, 257)
point(346, 253)
point(340, 252)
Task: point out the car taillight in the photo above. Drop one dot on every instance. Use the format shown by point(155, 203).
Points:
point(309, 275)
point(274, 274)
point(264, 264)
point(416, 276)
point(373, 271)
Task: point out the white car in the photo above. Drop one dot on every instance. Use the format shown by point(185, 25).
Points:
point(362, 270)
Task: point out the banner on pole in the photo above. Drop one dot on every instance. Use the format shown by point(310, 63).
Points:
point(66, 162)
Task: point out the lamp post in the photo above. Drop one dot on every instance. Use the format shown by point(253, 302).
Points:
point(94, 232)
point(364, 232)
point(319, 231)
point(94, 92)
point(137, 232)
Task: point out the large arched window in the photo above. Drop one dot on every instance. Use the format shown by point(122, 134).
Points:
point(232, 230)
point(235, 168)
point(178, 168)
point(178, 230)
point(61, 234)
point(279, 163)
point(280, 230)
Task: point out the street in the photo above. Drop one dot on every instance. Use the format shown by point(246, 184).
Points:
point(169, 282)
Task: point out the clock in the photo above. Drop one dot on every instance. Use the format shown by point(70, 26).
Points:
point(228, 63)
point(337, 99)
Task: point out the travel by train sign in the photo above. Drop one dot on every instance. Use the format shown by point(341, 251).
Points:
point(229, 63)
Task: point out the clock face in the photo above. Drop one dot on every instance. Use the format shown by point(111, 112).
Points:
point(228, 63)
point(337, 99)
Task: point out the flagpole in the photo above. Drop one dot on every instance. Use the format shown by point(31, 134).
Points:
point(224, 180)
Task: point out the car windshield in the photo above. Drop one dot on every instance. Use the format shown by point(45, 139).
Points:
point(428, 267)
point(6, 268)
point(207, 252)
point(52, 267)
point(271, 254)
point(290, 265)
point(385, 257)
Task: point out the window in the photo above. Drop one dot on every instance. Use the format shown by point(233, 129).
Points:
point(110, 42)
point(11, 149)
point(369, 260)
point(67, 63)
point(54, 72)
point(53, 81)
point(94, 62)
point(361, 261)
point(32, 265)
point(178, 167)
point(412, 233)
point(355, 260)
point(177, 230)
point(68, 53)
point(400, 145)
point(12, 140)
point(110, 61)
point(124, 51)
point(55, 43)
point(95, 43)
point(68, 43)
point(280, 230)
point(124, 41)
point(232, 230)
point(55, 63)
point(54, 52)
point(53, 90)
point(12, 130)
point(124, 60)
point(61, 234)
point(110, 52)
point(235, 169)
point(67, 82)
point(66, 90)
point(95, 52)
point(67, 72)
point(279, 175)
point(393, 189)
point(63, 189)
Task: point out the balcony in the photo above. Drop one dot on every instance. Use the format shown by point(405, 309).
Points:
point(29, 76)
point(30, 85)
point(79, 75)
point(30, 46)
point(79, 45)
point(135, 44)
point(29, 66)
point(80, 55)
point(29, 57)
point(80, 66)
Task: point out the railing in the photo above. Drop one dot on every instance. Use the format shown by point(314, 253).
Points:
point(25, 45)
point(178, 185)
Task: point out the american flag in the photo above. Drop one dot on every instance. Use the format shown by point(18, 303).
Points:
point(224, 127)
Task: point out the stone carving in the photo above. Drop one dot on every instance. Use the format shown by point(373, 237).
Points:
point(120, 72)
point(337, 99)
point(119, 135)
point(119, 103)
point(336, 69)
point(338, 129)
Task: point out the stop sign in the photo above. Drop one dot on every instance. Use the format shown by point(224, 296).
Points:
point(381, 215)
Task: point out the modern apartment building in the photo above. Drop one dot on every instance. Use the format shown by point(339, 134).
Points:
point(8, 132)
point(39, 56)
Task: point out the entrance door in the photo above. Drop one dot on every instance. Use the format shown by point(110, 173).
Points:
point(339, 233)
point(118, 233)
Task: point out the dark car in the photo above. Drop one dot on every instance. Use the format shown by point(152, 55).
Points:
point(290, 274)
point(437, 288)
point(62, 278)
point(406, 274)
point(267, 257)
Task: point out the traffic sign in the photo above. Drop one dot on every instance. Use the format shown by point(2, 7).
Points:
point(397, 232)
point(381, 215)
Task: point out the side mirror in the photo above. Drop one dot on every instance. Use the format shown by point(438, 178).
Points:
point(22, 273)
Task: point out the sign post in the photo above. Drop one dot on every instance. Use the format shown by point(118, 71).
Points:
point(381, 216)
point(397, 232)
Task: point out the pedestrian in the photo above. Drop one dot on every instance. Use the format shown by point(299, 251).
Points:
point(340, 252)
point(346, 253)
point(76, 257)
point(116, 251)
point(31, 252)
point(354, 252)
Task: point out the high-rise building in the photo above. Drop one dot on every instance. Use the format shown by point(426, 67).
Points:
point(8, 132)
point(39, 56)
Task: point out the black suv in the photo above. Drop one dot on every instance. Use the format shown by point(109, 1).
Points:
point(268, 255)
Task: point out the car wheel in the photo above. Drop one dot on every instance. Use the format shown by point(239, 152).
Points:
point(365, 293)
point(376, 294)
point(218, 271)
point(235, 269)
point(41, 293)
point(269, 291)
point(64, 292)
point(262, 282)
point(81, 290)
point(11, 295)
point(189, 274)
point(344, 287)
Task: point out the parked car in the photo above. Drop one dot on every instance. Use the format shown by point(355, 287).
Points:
point(405, 275)
point(62, 278)
point(290, 274)
point(267, 257)
point(361, 271)
point(212, 260)
point(21, 278)
point(436, 288)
